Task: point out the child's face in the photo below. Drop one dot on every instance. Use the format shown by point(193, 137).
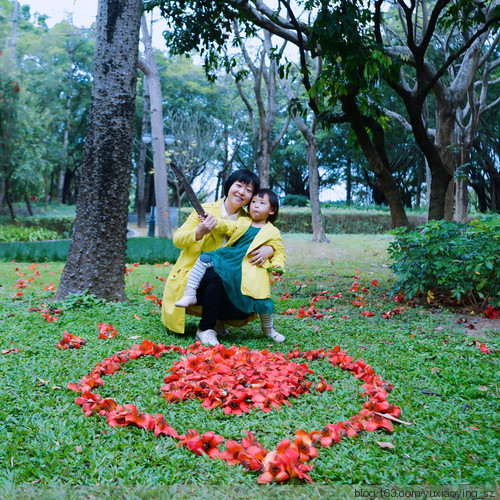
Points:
point(260, 208)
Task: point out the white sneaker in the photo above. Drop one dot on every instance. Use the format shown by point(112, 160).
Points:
point(274, 335)
point(188, 299)
point(220, 328)
point(207, 337)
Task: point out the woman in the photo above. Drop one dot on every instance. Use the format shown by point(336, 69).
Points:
point(196, 236)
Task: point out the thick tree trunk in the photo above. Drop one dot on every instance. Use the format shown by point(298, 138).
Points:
point(445, 125)
point(461, 200)
point(97, 255)
point(440, 182)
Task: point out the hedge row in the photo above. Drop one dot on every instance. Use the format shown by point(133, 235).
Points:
point(142, 250)
point(349, 223)
point(335, 222)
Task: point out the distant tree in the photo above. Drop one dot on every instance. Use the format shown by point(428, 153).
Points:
point(97, 255)
point(150, 68)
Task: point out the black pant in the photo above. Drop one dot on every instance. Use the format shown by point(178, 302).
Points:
point(215, 302)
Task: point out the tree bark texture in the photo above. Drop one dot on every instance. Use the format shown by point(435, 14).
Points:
point(97, 255)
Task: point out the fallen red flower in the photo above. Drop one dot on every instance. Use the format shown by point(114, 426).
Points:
point(206, 443)
point(492, 313)
point(304, 445)
point(234, 453)
point(484, 349)
point(106, 331)
point(70, 341)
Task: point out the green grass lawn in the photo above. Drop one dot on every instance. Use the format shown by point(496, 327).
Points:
point(446, 387)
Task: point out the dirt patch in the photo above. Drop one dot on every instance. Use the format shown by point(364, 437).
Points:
point(478, 326)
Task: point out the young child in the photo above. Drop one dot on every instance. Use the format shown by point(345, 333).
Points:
point(248, 287)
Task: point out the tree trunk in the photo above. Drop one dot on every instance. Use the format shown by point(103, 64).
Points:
point(2, 196)
point(309, 134)
point(64, 164)
point(462, 184)
point(376, 159)
point(440, 182)
point(419, 181)
point(140, 193)
point(8, 200)
point(316, 216)
point(461, 201)
point(28, 203)
point(47, 191)
point(97, 255)
point(159, 161)
point(348, 182)
point(264, 159)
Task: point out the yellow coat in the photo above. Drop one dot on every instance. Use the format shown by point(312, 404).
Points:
point(185, 239)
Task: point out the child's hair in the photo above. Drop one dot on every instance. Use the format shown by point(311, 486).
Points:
point(273, 201)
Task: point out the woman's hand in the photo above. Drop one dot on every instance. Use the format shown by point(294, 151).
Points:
point(205, 226)
point(260, 255)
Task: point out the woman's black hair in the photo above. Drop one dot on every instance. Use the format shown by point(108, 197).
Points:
point(273, 201)
point(245, 176)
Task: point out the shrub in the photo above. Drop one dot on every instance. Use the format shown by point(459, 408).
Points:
point(62, 225)
point(461, 261)
point(18, 233)
point(295, 200)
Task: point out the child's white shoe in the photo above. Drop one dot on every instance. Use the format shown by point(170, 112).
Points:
point(188, 299)
point(274, 335)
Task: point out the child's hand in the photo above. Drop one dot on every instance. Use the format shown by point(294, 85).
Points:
point(258, 256)
point(275, 271)
point(205, 226)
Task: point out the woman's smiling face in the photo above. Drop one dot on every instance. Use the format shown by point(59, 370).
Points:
point(238, 196)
